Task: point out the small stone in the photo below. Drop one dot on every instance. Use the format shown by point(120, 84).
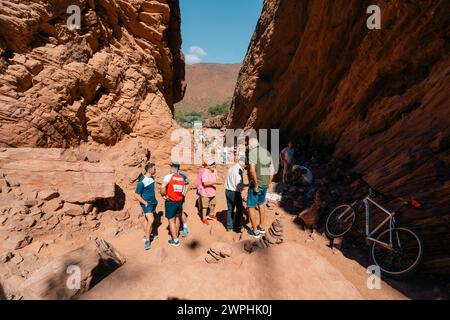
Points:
point(29, 222)
point(73, 210)
point(52, 205)
point(48, 194)
point(17, 192)
point(226, 252)
point(5, 257)
point(36, 211)
point(16, 241)
point(215, 255)
point(30, 203)
point(248, 246)
point(210, 259)
point(337, 243)
point(88, 207)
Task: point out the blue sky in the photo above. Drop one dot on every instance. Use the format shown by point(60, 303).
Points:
point(218, 30)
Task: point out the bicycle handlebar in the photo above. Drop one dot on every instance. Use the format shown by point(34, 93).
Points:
point(375, 191)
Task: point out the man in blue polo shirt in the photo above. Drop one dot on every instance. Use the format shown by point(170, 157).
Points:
point(145, 194)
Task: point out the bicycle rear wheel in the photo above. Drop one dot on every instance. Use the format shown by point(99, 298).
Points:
point(405, 256)
point(340, 221)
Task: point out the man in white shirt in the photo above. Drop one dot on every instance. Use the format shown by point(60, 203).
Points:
point(234, 185)
point(287, 159)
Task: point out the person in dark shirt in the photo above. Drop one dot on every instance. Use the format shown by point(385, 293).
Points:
point(145, 194)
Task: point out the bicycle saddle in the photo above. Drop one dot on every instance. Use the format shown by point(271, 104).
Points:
point(413, 203)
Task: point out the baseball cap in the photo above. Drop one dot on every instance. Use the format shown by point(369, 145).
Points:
point(175, 165)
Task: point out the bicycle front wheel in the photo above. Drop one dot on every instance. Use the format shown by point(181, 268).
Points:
point(340, 221)
point(403, 258)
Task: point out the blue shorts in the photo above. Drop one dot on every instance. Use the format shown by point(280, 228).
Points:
point(173, 209)
point(256, 198)
point(150, 208)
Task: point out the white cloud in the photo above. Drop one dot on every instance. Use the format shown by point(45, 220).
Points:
point(192, 59)
point(198, 51)
point(195, 55)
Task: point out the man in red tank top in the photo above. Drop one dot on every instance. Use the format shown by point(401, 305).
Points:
point(173, 190)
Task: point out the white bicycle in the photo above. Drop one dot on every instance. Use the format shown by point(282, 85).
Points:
point(397, 250)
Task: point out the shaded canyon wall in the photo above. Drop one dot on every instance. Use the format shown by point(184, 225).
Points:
point(120, 73)
point(377, 97)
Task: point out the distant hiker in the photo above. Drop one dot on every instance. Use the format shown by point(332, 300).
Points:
point(207, 192)
point(173, 191)
point(287, 160)
point(261, 172)
point(183, 215)
point(234, 185)
point(145, 194)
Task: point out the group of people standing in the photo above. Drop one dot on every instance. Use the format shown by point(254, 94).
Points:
point(175, 186)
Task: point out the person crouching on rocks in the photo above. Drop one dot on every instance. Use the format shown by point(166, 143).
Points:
point(173, 191)
point(145, 194)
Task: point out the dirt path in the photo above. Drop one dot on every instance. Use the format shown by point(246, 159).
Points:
point(301, 268)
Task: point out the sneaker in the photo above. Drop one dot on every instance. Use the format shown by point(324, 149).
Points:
point(261, 230)
point(174, 243)
point(147, 245)
point(238, 230)
point(206, 222)
point(154, 238)
point(185, 232)
point(212, 218)
point(252, 234)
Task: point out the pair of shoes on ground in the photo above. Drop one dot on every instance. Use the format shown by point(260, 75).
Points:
point(206, 221)
point(237, 230)
point(173, 243)
point(258, 233)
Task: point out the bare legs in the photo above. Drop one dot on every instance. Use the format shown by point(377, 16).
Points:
point(149, 219)
point(262, 217)
point(173, 227)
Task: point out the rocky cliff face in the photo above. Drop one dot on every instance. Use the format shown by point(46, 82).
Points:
point(379, 98)
point(120, 73)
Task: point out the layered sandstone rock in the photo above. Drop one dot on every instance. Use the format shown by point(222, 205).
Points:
point(121, 72)
point(379, 98)
point(48, 173)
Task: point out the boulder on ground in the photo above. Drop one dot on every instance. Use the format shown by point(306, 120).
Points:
point(58, 279)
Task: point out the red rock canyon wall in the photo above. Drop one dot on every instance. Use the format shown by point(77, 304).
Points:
point(379, 97)
point(120, 73)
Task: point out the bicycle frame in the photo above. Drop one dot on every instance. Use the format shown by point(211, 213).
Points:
point(369, 234)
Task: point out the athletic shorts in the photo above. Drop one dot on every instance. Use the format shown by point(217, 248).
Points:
point(150, 208)
point(207, 202)
point(256, 198)
point(173, 209)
